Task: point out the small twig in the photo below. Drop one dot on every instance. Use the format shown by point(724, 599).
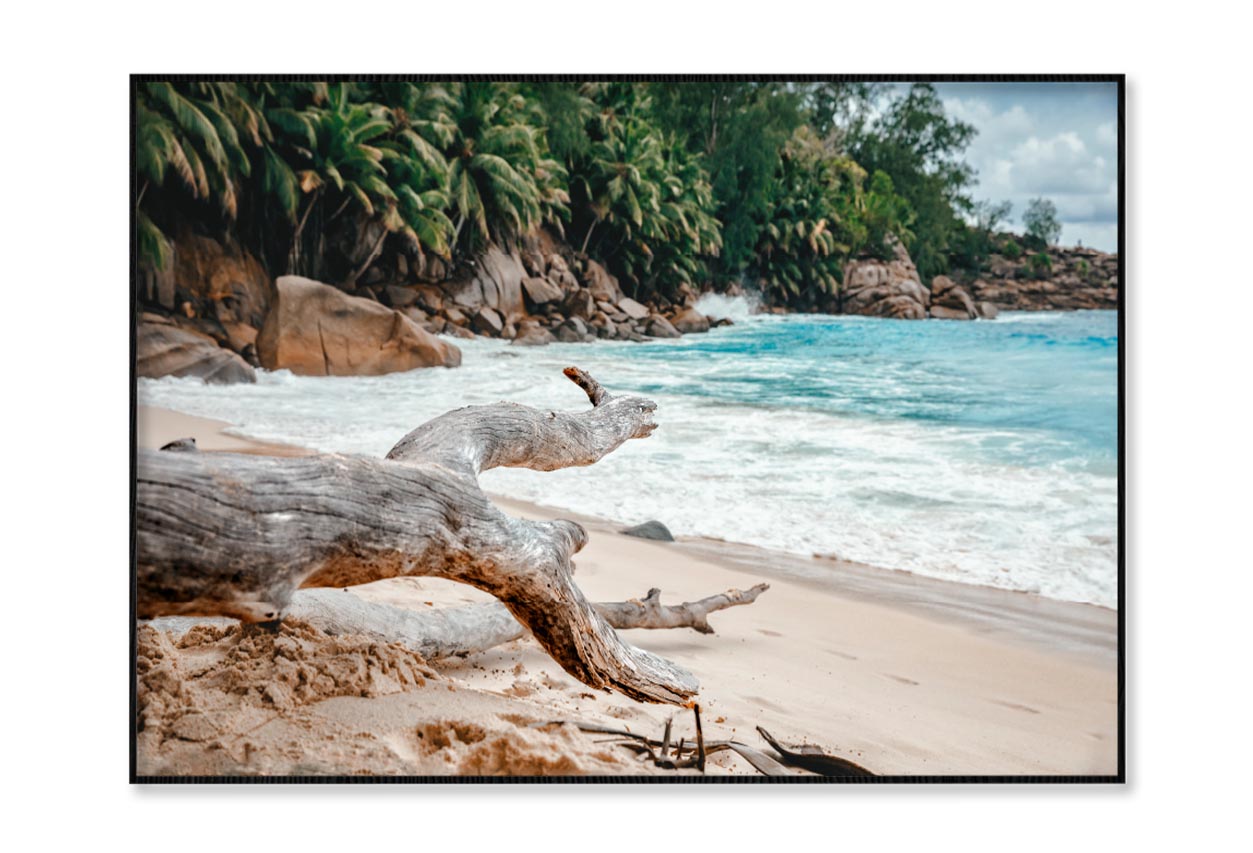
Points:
point(665, 738)
point(814, 760)
point(700, 741)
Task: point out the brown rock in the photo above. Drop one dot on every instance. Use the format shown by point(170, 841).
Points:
point(559, 273)
point(988, 311)
point(496, 283)
point(579, 304)
point(573, 330)
point(208, 275)
point(879, 288)
point(456, 331)
point(602, 285)
point(399, 297)
point(632, 309)
point(533, 263)
point(690, 320)
point(537, 336)
point(488, 322)
point(687, 296)
point(239, 336)
point(659, 327)
point(604, 327)
point(316, 330)
point(940, 312)
point(540, 291)
point(166, 350)
point(430, 298)
point(947, 294)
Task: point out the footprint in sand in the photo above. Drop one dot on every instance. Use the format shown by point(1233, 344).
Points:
point(1015, 706)
point(902, 679)
point(766, 704)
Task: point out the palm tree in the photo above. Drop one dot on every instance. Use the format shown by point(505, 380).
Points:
point(620, 178)
point(806, 238)
point(186, 142)
point(501, 181)
point(645, 199)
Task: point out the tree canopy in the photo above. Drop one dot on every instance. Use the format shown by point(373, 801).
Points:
point(770, 184)
point(1040, 221)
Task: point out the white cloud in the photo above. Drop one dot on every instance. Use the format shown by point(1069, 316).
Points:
point(1033, 144)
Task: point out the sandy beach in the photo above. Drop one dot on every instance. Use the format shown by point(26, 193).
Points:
point(902, 674)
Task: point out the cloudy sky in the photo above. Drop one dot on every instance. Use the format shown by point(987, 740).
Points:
point(1056, 140)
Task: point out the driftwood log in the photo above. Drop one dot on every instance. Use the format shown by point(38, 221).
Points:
point(221, 534)
point(458, 631)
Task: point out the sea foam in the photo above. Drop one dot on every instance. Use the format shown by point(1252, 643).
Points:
point(975, 452)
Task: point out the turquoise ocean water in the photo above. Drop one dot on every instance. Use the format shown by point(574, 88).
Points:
point(980, 452)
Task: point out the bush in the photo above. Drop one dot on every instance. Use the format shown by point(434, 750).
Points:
point(1041, 223)
point(1012, 250)
point(1040, 264)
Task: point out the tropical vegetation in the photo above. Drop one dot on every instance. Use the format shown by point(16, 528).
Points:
point(772, 185)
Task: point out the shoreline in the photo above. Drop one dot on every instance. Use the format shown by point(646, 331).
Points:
point(1086, 629)
point(907, 674)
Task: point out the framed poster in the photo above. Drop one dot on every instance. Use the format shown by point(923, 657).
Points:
point(634, 429)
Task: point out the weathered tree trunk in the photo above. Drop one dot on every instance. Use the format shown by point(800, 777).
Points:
point(235, 535)
point(459, 631)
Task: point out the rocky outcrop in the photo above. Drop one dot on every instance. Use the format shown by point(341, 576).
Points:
point(163, 349)
point(603, 286)
point(488, 322)
point(535, 292)
point(660, 327)
point(878, 288)
point(541, 291)
point(1058, 279)
point(532, 334)
point(313, 329)
point(214, 281)
point(495, 282)
point(689, 321)
point(632, 309)
point(950, 301)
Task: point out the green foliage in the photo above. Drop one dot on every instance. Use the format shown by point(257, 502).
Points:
point(502, 181)
point(920, 148)
point(805, 239)
point(664, 183)
point(1012, 250)
point(975, 241)
point(884, 214)
point(1040, 264)
point(821, 214)
point(1040, 220)
point(643, 197)
point(740, 129)
point(186, 145)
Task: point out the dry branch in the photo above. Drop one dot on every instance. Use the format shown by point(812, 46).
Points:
point(458, 631)
point(222, 534)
